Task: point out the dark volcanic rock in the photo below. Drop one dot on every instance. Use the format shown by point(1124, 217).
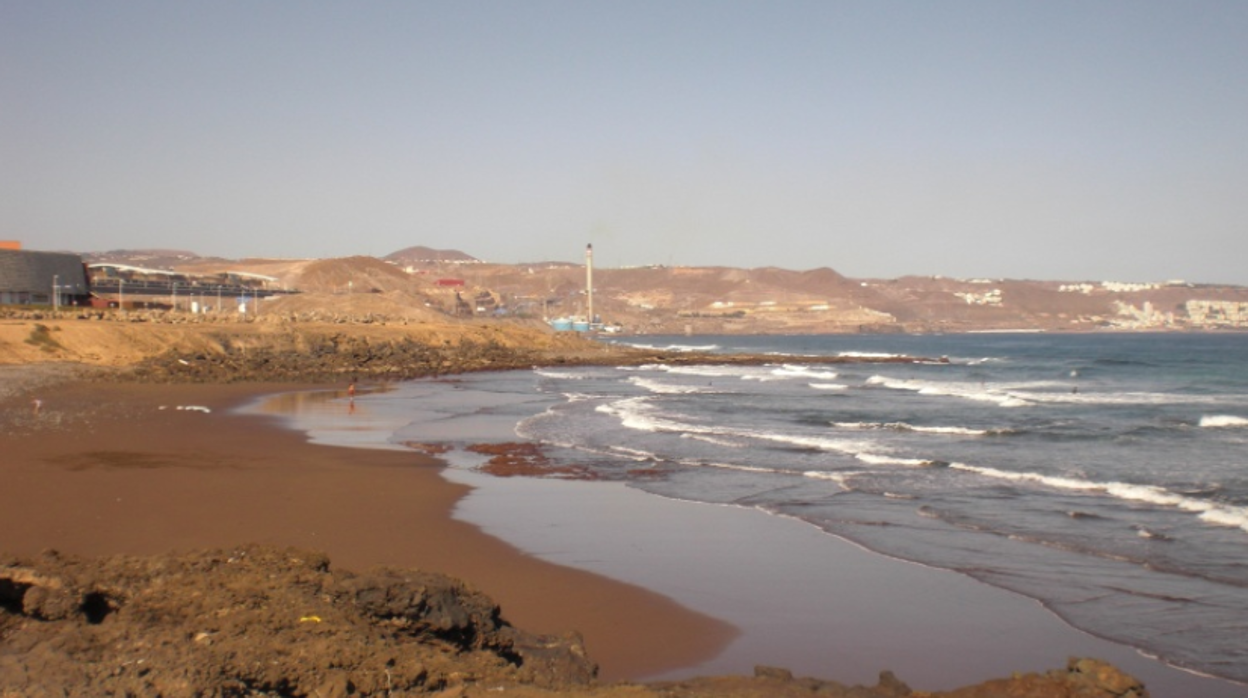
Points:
point(330, 358)
point(262, 621)
point(257, 621)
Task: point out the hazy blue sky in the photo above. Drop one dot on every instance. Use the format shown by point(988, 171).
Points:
point(1046, 139)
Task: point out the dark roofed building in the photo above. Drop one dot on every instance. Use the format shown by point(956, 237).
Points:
point(29, 277)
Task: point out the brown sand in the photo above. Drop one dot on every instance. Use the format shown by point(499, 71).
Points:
point(105, 470)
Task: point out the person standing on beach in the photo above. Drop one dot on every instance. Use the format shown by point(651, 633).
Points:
point(38, 405)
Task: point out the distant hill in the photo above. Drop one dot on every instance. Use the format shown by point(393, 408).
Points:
point(352, 274)
point(418, 281)
point(427, 255)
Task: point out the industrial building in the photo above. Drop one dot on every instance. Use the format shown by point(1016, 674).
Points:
point(122, 285)
point(42, 278)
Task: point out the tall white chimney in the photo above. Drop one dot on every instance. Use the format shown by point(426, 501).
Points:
point(589, 281)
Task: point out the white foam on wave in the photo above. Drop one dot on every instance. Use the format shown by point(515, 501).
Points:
point(673, 347)
point(903, 426)
point(839, 478)
point(870, 355)
point(734, 466)
point(561, 374)
point(763, 377)
point(578, 397)
point(636, 454)
point(967, 391)
point(828, 386)
point(847, 446)
point(714, 440)
point(982, 360)
point(803, 372)
point(1210, 512)
point(1151, 535)
point(878, 459)
point(707, 370)
point(1222, 421)
point(1036, 392)
point(745, 373)
point(662, 388)
point(1109, 398)
point(639, 414)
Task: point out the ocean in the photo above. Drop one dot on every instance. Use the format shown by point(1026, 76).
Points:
point(1103, 475)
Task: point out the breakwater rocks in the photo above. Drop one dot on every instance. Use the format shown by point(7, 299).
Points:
point(343, 356)
point(331, 357)
point(265, 621)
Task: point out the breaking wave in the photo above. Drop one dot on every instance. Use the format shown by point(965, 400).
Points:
point(662, 388)
point(1208, 511)
point(902, 426)
point(1223, 421)
point(968, 391)
point(674, 347)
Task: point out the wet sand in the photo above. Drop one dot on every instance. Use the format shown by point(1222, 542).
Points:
point(119, 469)
point(804, 600)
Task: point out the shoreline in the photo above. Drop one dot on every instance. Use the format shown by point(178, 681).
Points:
point(844, 611)
point(107, 471)
point(121, 475)
point(804, 599)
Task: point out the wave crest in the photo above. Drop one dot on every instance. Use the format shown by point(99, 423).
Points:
point(1222, 421)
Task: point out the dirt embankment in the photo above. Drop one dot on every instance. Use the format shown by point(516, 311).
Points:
point(171, 346)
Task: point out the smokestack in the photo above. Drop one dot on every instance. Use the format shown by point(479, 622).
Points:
point(589, 282)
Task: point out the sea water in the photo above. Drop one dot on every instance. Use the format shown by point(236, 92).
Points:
point(1104, 475)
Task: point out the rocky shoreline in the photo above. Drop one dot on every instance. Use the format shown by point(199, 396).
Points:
point(341, 356)
point(266, 621)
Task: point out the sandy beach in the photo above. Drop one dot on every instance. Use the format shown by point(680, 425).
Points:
point(120, 469)
point(659, 589)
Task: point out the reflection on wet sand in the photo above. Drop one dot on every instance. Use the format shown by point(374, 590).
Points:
point(334, 417)
point(305, 402)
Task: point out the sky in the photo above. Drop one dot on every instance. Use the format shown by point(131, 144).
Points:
point(1053, 139)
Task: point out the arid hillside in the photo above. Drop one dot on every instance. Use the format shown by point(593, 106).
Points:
point(423, 284)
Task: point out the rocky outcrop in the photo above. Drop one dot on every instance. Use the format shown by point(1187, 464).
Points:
point(331, 357)
point(258, 621)
point(264, 621)
point(1082, 678)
